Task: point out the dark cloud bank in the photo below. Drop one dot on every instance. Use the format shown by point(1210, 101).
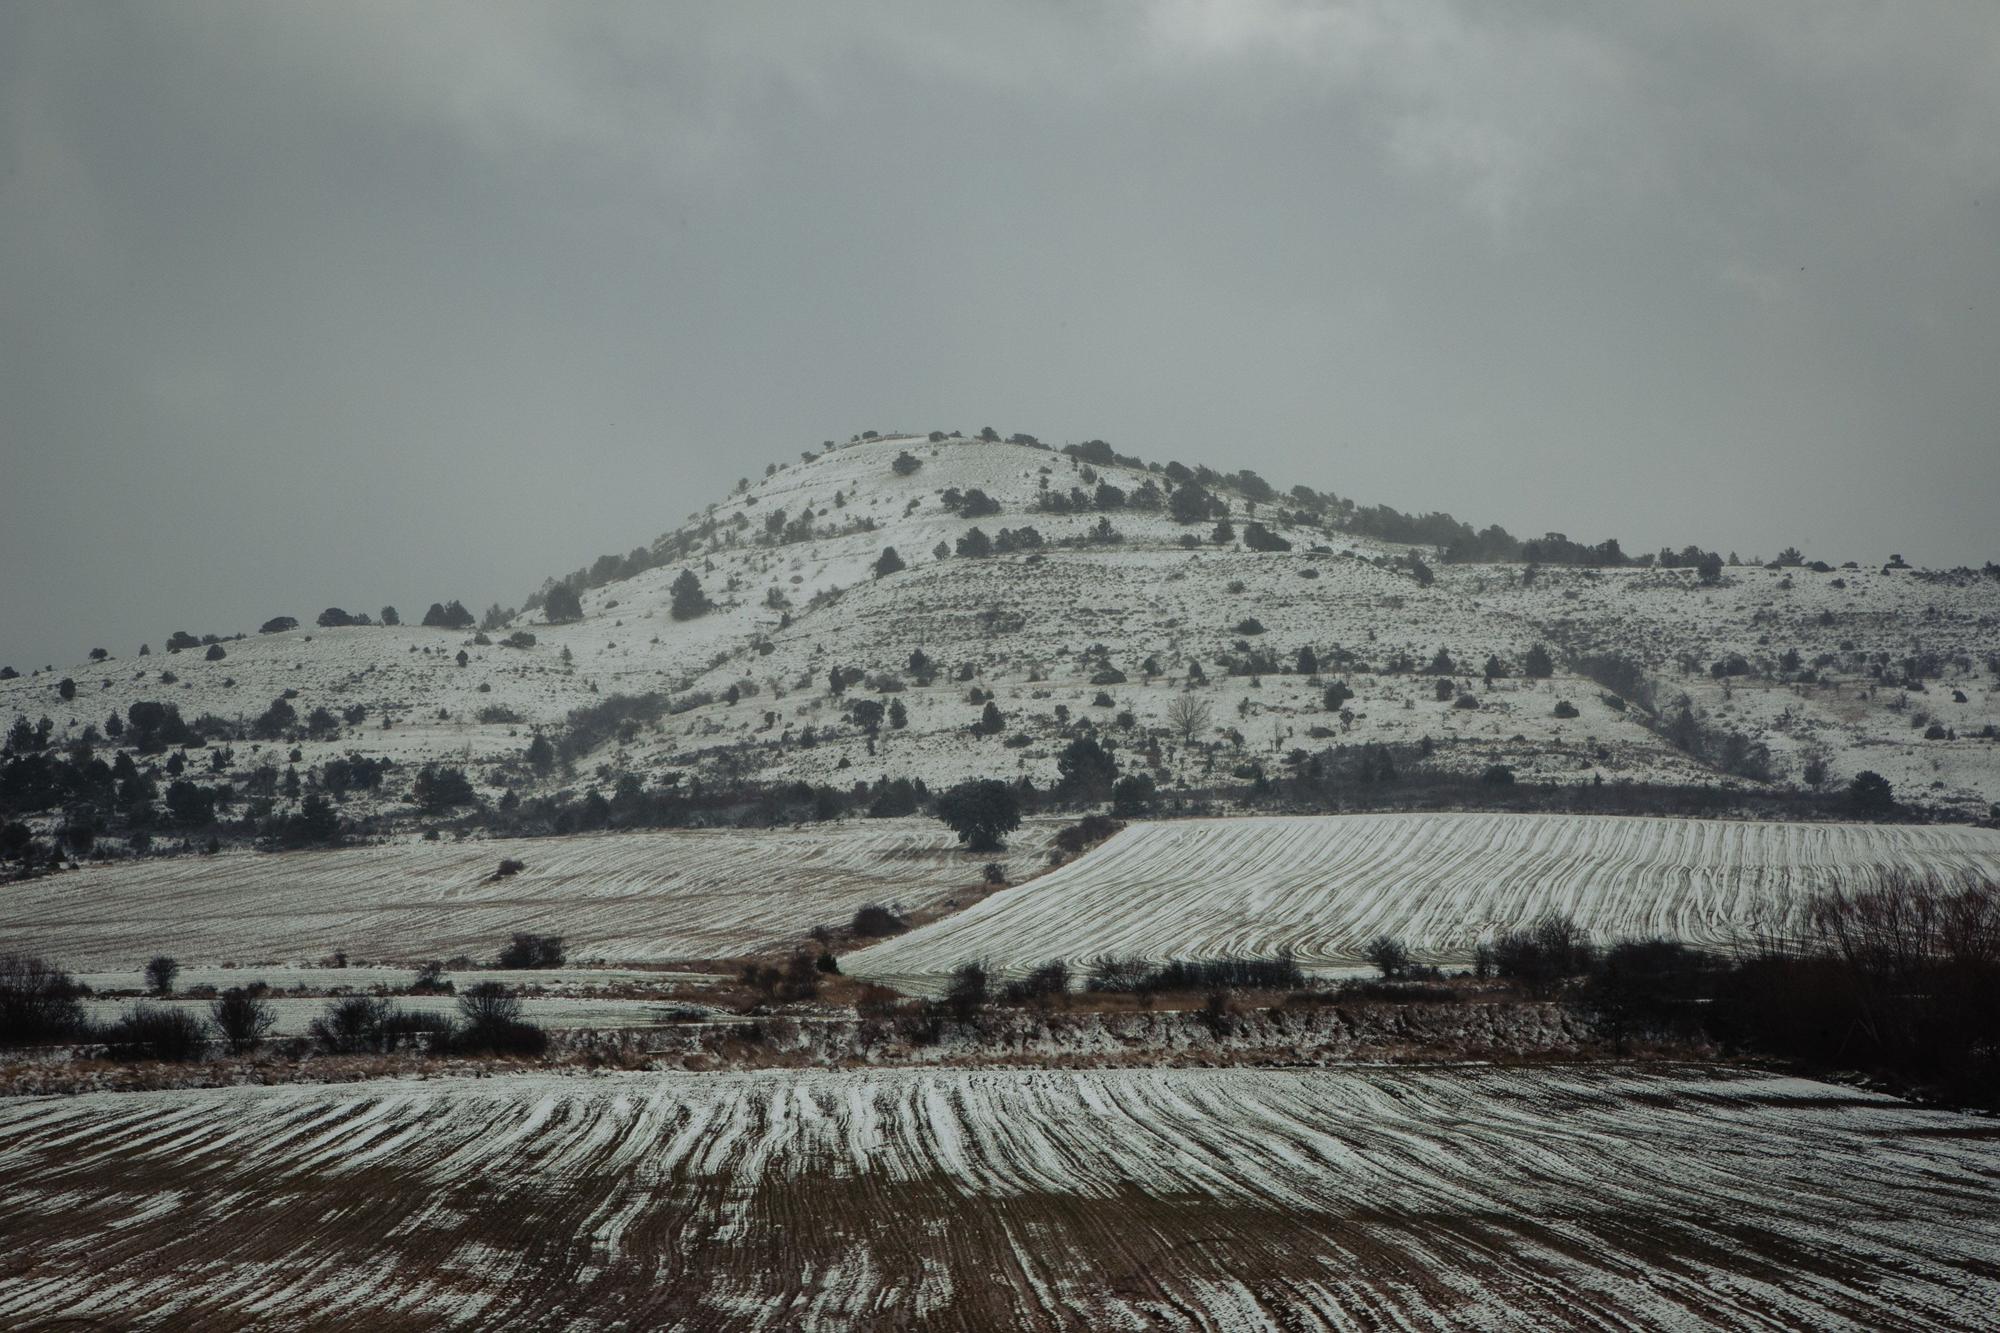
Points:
point(361, 304)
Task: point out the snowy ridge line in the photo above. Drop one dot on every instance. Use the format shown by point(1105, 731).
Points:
point(1026, 630)
point(1321, 887)
point(1592, 1197)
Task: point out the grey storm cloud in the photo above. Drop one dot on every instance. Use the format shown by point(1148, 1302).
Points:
point(386, 303)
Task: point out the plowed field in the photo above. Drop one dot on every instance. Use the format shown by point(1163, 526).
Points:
point(1211, 1199)
point(1323, 887)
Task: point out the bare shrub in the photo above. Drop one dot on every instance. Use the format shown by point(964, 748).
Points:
point(530, 950)
point(38, 1001)
point(430, 979)
point(1544, 955)
point(1208, 974)
point(1046, 983)
point(493, 1022)
point(350, 1024)
point(160, 973)
point(1387, 954)
point(966, 995)
point(243, 1019)
point(156, 1032)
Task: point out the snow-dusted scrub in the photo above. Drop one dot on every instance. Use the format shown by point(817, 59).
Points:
point(1322, 888)
point(749, 681)
point(649, 897)
point(1215, 1199)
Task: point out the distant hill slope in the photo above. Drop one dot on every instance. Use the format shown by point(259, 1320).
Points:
point(1781, 678)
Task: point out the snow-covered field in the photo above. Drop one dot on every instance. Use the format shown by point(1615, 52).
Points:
point(1210, 1199)
point(619, 898)
point(1323, 887)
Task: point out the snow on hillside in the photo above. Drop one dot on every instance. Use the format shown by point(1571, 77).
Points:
point(1217, 1199)
point(1321, 888)
point(1035, 629)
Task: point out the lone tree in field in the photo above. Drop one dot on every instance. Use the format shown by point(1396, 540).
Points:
point(1189, 716)
point(888, 562)
point(1538, 665)
point(906, 463)
point(981, 812)
point(689, 600)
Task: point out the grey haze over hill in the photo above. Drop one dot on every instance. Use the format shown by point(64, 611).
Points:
point(305, 306)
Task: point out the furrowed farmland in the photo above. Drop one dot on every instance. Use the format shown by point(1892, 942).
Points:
point(980, 1199)
point(643, 897)
point(1321, 888)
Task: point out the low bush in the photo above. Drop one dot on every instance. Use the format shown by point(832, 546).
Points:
point(430, 979)
point(1543, 956)
point(1131, 975)
point(350, 1024)
point(875, 921)
point(358, 1023)
point(530, 950)
point(491, 1021)
point(156, 1032)
point(966, 995)
point(419, 1029)
point(1049, 981)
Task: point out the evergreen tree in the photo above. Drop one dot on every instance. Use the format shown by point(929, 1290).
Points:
point(689, 600)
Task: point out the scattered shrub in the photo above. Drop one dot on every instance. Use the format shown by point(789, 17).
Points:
point(160, 973)
point(1135, 976)
point(243, 1018)
point(156, 1032)
point(530, 950)
point(965, 996)
point(1049, 981)
point(350, 1024)
point(1387, 955)
point(431, 980)
point(1546, 954)
point(874, 921)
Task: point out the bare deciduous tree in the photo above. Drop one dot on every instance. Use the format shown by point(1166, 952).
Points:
point(1189, 716)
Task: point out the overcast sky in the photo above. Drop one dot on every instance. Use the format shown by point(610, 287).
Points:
point(346, 304)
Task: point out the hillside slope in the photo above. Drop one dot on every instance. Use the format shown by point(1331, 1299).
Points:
point(1099, 630)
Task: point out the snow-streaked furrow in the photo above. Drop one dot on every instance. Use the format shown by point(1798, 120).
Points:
point(1321, 887)
point(1221, 1199)
point(636, 897)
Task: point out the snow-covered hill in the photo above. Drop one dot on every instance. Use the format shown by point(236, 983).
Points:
point(1101, 628)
